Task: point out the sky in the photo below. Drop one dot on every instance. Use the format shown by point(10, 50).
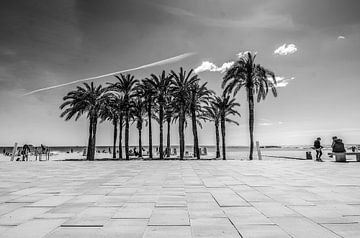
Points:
point(313, 47)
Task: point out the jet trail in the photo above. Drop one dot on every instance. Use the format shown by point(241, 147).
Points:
point(157, 63)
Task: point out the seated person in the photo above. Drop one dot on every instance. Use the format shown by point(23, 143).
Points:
point(338, 146)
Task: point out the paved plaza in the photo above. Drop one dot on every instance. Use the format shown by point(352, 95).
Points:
point(170, 199)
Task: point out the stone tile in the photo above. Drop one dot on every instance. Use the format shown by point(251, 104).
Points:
point(8, 207)
point(199, 197)
point(52, 201)
point(70, 208)
point(21, 215)
point(171, 201)
point(261, 231)
point(77, 232)
point(274, 209)
point(213, 228)
point(86, 199)
point(205, 210)
point(320, 214)
point(112, 201)
point(33, 229)
point(345, 230)
point(135, 211)
point(227, 198)
point(301, 227)
point(27, 191)
point(240, 216)
point(129, 228)
point(92, 216)
point(167, 232)
point(169, 217)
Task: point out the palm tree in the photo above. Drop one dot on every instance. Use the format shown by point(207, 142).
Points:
point(146, 91)
point(200, 95)
point(169, 111)
point(110, 112)
point(180, 89)
point(126, 86)
point(257, 81)
point(212, 113)
point(226, 107)
point(138, 112)
point(160, 85)
point(87, 99)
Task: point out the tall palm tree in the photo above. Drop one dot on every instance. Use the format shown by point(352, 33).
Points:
point(161, 85)
point(226, 107)
point(200, 96)
point(212, 113)
point(180, 89)
point(138, 112)
point(147, 92)
point(169, 111)
point(110, 112)
point(257, 81)
point(87, 99)
point(126, 85)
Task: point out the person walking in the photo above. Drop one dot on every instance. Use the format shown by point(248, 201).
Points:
point(318, 147)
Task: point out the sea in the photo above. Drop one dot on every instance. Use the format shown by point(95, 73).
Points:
point(232, 152)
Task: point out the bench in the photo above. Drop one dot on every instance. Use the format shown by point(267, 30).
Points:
point(341, 157)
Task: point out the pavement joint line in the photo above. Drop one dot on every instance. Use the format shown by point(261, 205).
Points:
point(81, 226)
point(169, 225)
point(234, 227)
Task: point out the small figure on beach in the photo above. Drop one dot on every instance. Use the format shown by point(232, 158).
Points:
point(318, 148)
point(25, 152)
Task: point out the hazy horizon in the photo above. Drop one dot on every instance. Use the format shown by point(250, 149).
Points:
point(312, 46)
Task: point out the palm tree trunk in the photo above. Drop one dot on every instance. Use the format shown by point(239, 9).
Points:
point(150, 130)
point(181, 132)
point(115, 138)
point(168, 146)
point(251, 122)
point(217, 139)
point(93, 142)
point(223, 136)
point(120, 135)
point(88, 154)
point(140, 143)
point(161, 120)
point(195, 134)
point(127, 156)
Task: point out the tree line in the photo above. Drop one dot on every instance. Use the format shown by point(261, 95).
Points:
point(174, 97)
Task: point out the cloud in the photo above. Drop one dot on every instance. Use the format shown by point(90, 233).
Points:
point(282, 82)
point(156, 63)
point(209, 66)
point(341, 38)
point(286, 49)
point(242, 54)
point(267, 122)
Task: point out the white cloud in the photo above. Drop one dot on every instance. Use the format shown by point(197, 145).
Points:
point(341, 38)
point(242, 54)
point(282, 81)
point(286, 49)
point(209, 66)
point(265, 124)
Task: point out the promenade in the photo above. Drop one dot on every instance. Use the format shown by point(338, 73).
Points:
point(180, 199)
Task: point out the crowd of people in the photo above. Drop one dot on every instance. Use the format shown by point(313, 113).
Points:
point(23, 153)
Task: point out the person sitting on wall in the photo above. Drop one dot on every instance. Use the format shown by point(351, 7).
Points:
point(338, 146)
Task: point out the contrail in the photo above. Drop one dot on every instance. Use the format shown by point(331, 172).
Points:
point(157, 63)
